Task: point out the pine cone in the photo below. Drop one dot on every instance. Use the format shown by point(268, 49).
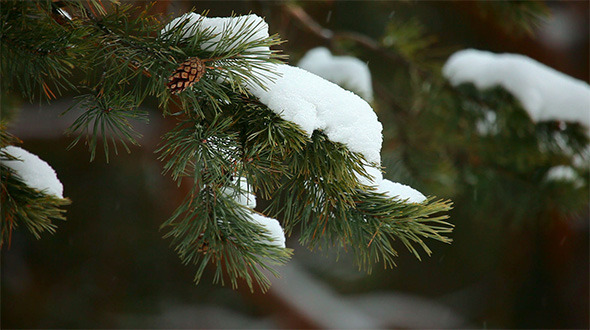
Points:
point(186, 75)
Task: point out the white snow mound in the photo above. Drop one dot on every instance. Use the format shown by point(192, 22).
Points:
point(314, 103)
point(272, 226)
point(245, 197)
point(346, 71)
point(546, 94)
point(565, 174)
point(402, 191)
point(222, 27)
point(34, 172)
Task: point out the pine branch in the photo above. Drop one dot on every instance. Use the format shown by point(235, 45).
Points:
point(106, 116)
point(332, 208)
point(39, 54)
point(224, 135)
point(125, 61)
point(210, 227)
point(24, 206)
point(508, 161)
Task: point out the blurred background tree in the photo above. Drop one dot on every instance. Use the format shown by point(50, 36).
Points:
point(520, 251)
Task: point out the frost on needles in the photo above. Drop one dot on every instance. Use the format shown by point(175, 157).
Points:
point(309, 147)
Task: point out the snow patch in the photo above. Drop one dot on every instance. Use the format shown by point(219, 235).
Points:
point(582, 160)
point(390, 188)
point(488, 124)
point(564, 173)
point(255, 28)
point(245, 197)
point(272, 226)
point(314, 103)
point(347, 71)
point(34, 172)
point(546, 94)
point(402, 191)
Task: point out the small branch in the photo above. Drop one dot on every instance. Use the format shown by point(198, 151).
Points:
point(302, 17)
point(332, 36)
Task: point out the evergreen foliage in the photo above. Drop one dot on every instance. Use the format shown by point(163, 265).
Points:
point(115, 59)
point(23, 205)
point(464, 143)
point(479, 148)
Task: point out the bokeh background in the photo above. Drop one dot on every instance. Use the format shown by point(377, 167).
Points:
point(109, 267)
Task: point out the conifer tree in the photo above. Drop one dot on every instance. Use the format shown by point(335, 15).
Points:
point(230, 141)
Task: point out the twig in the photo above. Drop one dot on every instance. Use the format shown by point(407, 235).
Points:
point(308, 22)
point(332, 36)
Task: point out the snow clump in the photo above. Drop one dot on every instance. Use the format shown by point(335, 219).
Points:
point(33, 171)
point(546, 94)
point(245, 197)
point(346, 71)
point(221, 27)
point(563, 173)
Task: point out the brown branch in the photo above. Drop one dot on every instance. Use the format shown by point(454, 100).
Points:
point(315, 28)
point(309, 23)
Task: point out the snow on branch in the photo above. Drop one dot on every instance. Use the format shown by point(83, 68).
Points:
point(546, 94)
point(563, 173)
point(238, 45)
point(34, 172)
point(238, 30)
point(309, 101)
point(224, 34)
point(314, 103)
point(346, 71)
point(245, 197)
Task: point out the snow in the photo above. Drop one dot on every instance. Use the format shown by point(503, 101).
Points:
point(314, 103)
point(564, 173)
point(488, 124)
point(34, 172)
point(347, 71)
point(401, 190)
point(272, 226)
point(390, 188)
point(245, 197)
point(546, 94)
point(222, 27)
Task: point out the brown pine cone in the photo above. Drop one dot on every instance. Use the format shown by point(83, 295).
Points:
point(186, 75)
